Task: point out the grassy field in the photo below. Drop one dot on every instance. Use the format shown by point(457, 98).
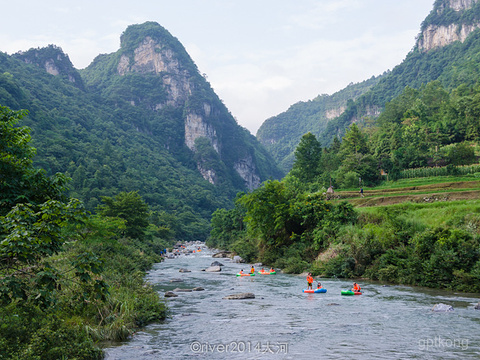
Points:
point(418, 190)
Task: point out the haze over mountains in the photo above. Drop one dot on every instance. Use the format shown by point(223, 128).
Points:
point(444, 50)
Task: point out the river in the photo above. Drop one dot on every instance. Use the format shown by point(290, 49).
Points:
point(386, 322)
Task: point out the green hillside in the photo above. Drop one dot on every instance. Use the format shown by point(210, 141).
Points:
point(282, 133)
point(113, 132)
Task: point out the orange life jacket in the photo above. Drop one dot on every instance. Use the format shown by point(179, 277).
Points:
point(309, 279)
point(356, 287)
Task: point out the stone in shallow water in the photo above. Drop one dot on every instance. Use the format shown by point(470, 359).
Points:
point(240, 296)
point(216, 263)
point(442, 308)
point(182, 290)
point(213, 269)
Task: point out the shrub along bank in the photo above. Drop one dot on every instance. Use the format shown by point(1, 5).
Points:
point(435, 245)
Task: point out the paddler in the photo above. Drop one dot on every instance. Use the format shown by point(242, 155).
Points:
point(319, 286)
point(272, 270)
point(356, 287)
point(241, 271)
point(309, 281)
point(252, 270)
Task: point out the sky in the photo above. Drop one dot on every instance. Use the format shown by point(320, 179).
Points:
point(260, 56)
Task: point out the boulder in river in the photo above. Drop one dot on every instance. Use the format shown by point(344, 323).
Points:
point(198, 289)
point(216, 263)
point(442, 308)
point(213, 269)
point(477, 307)
point(182, 290)
point(238, 259)
point(176, 280)
point(170, 294)
point(182, 270)
point(240, 296)
point(222, 254)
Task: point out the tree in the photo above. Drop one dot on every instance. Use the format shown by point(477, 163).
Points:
point(33, 211)
point(20, 182)
point(353, 142)
point(307, 159)
point(129, 207)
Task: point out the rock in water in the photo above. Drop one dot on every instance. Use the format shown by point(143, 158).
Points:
point(198, 289)
point(170, 294)
point(240, 296)
point(222, 254)
point(184, 270)
point(477, 307)
point(216, 263)
point(442, 308)
point(213, 269)
point(182, 290)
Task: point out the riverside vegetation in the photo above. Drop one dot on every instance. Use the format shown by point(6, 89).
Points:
point(403, 232)
point(68, 280)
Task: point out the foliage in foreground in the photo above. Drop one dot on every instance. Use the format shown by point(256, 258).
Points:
point(67, 280)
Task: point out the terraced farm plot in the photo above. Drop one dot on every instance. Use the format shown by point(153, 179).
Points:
point(429, 193)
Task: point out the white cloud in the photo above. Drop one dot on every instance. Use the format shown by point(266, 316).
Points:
point(259, 56)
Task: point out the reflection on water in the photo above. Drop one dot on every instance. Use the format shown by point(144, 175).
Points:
point(282, 322)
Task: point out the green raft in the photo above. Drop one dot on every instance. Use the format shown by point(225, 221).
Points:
point(350, 292)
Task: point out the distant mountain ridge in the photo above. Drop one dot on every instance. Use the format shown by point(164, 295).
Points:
point(142, 118)
point(443, 51)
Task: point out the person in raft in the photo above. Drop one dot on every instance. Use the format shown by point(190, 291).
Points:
point(241, 271)
point(252, 270)
point(356, 287)
point(319, 286)
point(309, 281)
point(272, 269)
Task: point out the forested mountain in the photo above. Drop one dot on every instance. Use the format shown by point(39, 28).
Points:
point(282, 133)
point(142, 118)
point(447, 49)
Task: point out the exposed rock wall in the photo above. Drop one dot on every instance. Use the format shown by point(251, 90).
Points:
point(247, 171)
point(458, 5)
point(438, 36)
point(196, 127)
point(152, 57)
point(333, 113)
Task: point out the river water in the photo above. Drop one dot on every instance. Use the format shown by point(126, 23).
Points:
point(386, 322)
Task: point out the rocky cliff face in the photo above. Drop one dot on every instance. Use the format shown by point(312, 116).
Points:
point(247, 171)
point(435, 36)
point(154, 55)
point(54, 61)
